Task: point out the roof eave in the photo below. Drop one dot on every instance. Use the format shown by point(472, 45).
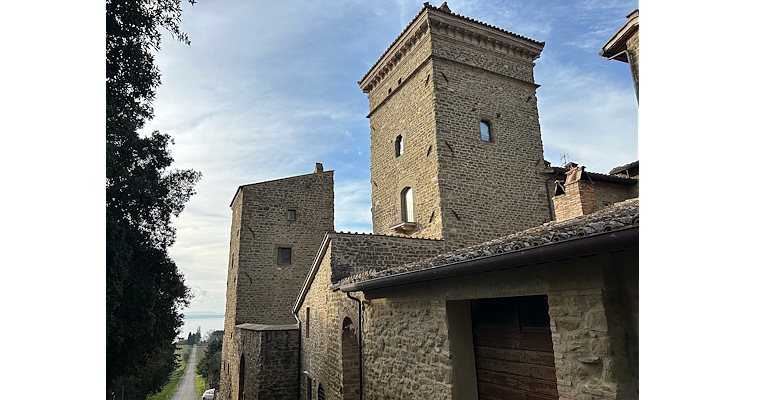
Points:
point(617, 43)
point(605, 242)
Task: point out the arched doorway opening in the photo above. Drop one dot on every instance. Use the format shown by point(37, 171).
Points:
point(351, 373)
point(242, 375)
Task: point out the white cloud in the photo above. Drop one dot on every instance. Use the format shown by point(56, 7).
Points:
point(268, 89)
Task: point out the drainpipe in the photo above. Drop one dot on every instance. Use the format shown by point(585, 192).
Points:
point(299, 353)
point(360, 344)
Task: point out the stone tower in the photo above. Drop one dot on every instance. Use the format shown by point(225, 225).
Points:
point(275, 230)
point(456, 148)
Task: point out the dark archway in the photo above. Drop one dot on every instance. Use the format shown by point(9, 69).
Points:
point(242, 375)
point(351, 373)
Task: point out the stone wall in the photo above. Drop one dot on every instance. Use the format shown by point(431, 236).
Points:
point(407, 111)
point(593, 308)
point(353, 253)
point(466, 190)
point(488, 189)
point(590, 334)
point(271, 362)
point(321, 353)
point(610, 193)
point(632, 45)
point(583, 197)
point(259, 289)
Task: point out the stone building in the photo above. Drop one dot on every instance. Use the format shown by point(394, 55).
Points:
point(489, 273)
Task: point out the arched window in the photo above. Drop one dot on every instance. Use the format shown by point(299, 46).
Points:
point(399, 146)
point(321, 394)
point(407, 205)
point(485, 131)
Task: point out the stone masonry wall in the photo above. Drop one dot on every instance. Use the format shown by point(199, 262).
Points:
point(487, 189)
point(353, 254)
point(632, 45)
point(590, 353)
point(611, 193)
point(406, 111)
point(594, 322)
point(406, 350)
point(273, 367)
point(259, 290)
point(465, 190)
point(321, 353)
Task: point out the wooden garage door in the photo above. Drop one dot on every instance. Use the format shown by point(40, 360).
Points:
point(513, 348)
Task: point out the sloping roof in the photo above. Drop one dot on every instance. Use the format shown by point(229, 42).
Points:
point(617, 44)
point(624, 167)
point(322, 252)
point(431, 7)
point(617, 217)
point(596, 176)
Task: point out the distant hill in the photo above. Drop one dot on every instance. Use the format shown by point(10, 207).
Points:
point(203, 314)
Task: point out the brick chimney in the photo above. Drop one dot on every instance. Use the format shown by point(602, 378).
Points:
point(319, 168)
point(576, 196)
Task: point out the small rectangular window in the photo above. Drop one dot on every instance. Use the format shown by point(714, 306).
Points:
point(485, 131)
point(291, 215)
point(284, 256)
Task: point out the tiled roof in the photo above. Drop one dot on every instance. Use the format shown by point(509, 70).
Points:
point(431, 7)
point(624, 167)
point(615, 217)
point(396, 235)
point(596, 176)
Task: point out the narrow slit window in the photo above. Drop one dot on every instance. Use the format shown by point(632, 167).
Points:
point(307, 322)
point(485, 131)
point(399, 146)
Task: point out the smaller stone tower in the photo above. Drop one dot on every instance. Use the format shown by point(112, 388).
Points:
point(276, 228)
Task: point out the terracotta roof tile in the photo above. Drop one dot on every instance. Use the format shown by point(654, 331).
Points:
point(617, 216)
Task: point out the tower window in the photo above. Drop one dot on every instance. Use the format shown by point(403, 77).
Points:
point(399, 146)
point(407, 205)
point(284, 256)
point(291, 215)
point(485, 131)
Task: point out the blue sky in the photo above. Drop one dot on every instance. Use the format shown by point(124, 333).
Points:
point(267, 89)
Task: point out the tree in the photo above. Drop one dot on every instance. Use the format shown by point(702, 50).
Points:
point(144, 289)
point(209, 365)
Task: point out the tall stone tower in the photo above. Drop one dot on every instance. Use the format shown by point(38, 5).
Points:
point(456, 147)
point(276, 228)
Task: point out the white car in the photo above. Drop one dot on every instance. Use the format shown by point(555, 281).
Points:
point(209, 394)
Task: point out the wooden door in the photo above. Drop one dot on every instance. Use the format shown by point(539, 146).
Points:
point(514, 359)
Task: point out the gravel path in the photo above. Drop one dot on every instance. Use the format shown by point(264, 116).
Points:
point(187, 388)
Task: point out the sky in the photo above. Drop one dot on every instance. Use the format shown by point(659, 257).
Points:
point(267, 89)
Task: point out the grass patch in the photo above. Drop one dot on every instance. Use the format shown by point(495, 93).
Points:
point(201, 384)
point(172, 386)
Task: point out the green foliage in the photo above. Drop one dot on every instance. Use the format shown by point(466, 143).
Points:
point(200, 386)
point(172, 384)
point(209, 365)
point(144, 289)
